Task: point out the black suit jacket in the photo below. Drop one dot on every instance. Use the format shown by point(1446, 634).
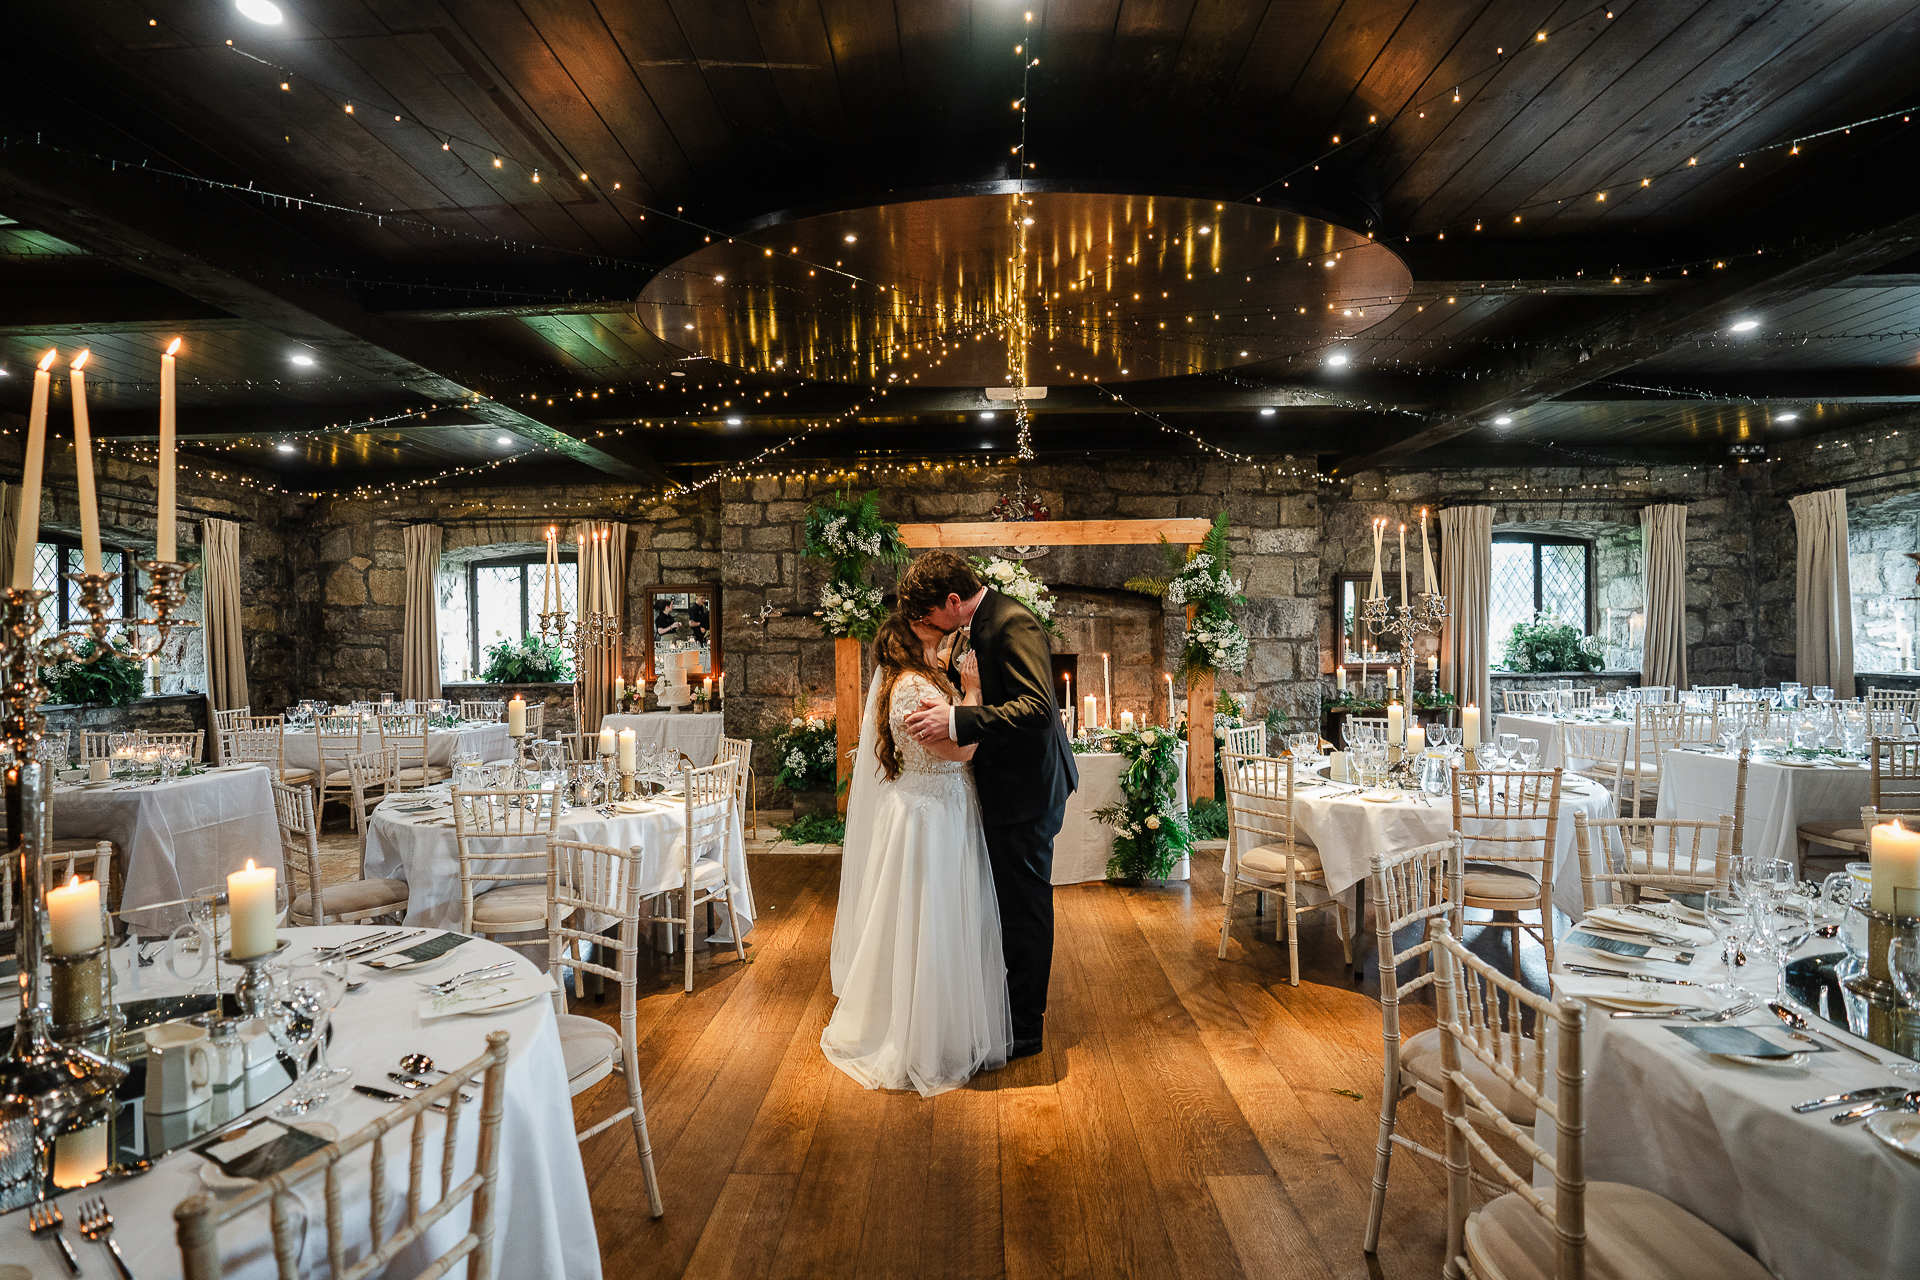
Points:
point(1024, 769)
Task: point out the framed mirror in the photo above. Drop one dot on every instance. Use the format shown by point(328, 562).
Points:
point(683, 630)
point(1353, 643)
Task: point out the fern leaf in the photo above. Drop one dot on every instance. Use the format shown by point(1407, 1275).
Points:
point(1148, 586)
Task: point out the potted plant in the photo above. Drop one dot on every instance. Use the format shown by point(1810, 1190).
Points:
point(1549, 644)
point(808, 752)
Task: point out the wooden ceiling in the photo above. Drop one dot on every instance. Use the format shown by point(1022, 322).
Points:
point(171, 167)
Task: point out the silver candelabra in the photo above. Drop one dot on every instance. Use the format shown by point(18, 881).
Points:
point(1403, 623)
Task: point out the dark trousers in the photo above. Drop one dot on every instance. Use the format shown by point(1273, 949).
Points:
point(1021, 855)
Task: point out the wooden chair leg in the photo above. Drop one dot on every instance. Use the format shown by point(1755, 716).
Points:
point(686, 940)
point(642, 1143)
point(1293, 943)
point(733, 924)
point(1383, 1151)
point(1226, 920)
point(1346, 935)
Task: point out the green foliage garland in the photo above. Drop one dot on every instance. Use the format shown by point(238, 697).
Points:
point(808, 752)
point(1203, 578)
point(111, 680)
point(849, 535)
point(1150, 832)
point(528, 660)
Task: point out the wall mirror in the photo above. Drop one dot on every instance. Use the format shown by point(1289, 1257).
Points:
point(683, 631)
point(1354, 644)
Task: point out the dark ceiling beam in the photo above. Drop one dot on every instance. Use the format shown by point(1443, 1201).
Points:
point(1760, 386)
point(228, 254)
point(1636, 332)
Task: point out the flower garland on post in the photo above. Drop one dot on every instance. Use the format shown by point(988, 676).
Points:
point(1151, 833)
point(1017, 582)
point(848, 534)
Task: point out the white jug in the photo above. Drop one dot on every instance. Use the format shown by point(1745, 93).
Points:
point(179, 1067)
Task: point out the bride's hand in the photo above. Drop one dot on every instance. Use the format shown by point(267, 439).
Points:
point(969, 672)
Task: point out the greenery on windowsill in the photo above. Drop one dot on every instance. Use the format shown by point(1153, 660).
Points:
point(528, 660)
point(1549, 644)
point(114, 680)
point(1422, 701)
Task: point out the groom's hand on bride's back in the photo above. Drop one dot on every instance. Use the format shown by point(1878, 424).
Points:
point(929, 723)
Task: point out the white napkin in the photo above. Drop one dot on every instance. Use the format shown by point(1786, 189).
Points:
point(1582, 987)
point(1620, 920)
point(478, 997)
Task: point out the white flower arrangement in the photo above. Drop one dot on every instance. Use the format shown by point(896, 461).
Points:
point(1017, 582)
point(1217, 642)
point(851, 609)
point(850, 542)
point(1198, 582)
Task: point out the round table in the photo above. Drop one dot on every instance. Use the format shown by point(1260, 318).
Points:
point(545, 1223)
point(420, 848)
point(695, 734)
point(486, 739)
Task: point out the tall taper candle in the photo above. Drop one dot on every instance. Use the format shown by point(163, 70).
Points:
point(163, 540)
point(1106, 666)
point(83, 467)
point(1379, 527)
point(546, 596)
point(1403, 565)
point(27, 532)
point(1426, 550)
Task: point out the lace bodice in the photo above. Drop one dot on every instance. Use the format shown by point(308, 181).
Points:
point(915, 758)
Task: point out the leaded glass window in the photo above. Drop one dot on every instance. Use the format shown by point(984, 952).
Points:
point(1536, 573)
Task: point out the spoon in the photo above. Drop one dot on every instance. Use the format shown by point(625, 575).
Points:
point(418, 1064)
point(408, 1083)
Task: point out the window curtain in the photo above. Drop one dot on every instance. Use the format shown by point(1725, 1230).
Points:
point(1466, 576)
point(9, 535)
point(225, 643)
point(1663, 582)
point(602, 589)
point(420, 640)
point(1823, 594)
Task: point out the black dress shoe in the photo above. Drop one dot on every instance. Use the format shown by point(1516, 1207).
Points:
point(1024, 1049)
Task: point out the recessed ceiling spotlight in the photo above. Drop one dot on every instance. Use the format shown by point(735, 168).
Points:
point(284, 447)
point(301, 360)
point(1743, 326)
point(259, 10)
point(689, 326)
point(985, 444)
point(733, 422)
point(1338, 359)
point(987, 416)
point(1206, 231)
point(1267, 412)
point(1786, 417)
point(503, 440)
point(675, 373)
point(1503, 421)
point(851, 237)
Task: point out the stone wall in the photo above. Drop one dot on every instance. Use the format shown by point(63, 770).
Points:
point(170, 713)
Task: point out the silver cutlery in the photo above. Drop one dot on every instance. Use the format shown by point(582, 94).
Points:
point(471, 975)
point(1589, 971)
point(352, 943)
point(1793, 1019)
point(1624, 933)
point(1854, 1095)
point(1694, 1015)
point(360, 953)
point(1908, 1101)
point(388, 1095)
point(412, 1085)
point(43, 1219)
point(96, 1224)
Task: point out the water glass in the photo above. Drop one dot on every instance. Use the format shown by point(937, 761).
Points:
point(1530, 752)
point(1784, 924)
point(1727, 918)
point(332, 973)
point(297, 1018)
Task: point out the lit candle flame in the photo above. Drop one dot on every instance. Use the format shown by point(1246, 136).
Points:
point(250, 865)
point(47, 362)
point(74, 880)
point(173, 348)
point(80, 360)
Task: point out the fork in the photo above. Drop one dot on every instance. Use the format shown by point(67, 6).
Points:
point(44, 1218)
point(96, 1223)
point(461, 979)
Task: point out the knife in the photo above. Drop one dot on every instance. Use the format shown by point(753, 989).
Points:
point(1591, 971)
point(388, 1096)
point(1909, 1101)
point(1856, 1095)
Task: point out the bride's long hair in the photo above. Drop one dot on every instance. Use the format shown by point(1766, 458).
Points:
point(897, 650)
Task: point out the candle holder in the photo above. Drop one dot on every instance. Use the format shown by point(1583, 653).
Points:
point(626, 785)
point(253, 991)
point(81, 1002)
point(1403, 623)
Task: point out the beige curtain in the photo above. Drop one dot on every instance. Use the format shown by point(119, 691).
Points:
point(1466, 576)
point(420, 642)
point(1663, 582)
point(226, 645)
point(9, 535)
point(1823, 595)
point(603, 590)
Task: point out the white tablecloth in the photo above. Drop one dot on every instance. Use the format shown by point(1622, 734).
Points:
point(1547, 730)
point(1348, 830)
point(1081, 850)
point(176, 836)
point(1779, 797)
point(544, 1230)
point(488, 741)
point(697, 734)
point(424, 854)
point(1811, 1199)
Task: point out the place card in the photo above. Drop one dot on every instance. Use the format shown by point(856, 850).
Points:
point(1746, 1042)
point(1628, 950)
point(262, 1150)
point(431, 949)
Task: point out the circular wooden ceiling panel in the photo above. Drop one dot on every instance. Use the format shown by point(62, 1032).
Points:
point(1104, 287)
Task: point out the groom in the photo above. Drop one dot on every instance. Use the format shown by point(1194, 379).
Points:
point(1023, 771)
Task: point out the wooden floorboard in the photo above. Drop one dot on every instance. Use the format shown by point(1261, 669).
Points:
point(1185, 1118)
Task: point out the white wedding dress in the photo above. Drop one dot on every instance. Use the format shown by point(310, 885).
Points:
point(916, 957)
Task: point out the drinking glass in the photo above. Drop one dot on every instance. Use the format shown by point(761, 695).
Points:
point(1745, 879)
point(1903, 966)
point(1510, 746)
point(298, 1017)
point(1784, 924)
point(332, 973)
point(1530, 752)
point(1779, 873)
point(1727, 917)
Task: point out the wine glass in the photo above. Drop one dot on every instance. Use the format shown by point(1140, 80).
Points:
point(1903, 966)
point(1726, 915)
point(1530, 752)
point(331, 970)
point(1745, 879)
point(1783, 925)
point(298, 1017)
point(1510, 746)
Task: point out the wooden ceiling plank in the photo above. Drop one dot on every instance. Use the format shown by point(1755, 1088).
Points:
point(865, 39)
point(1289, 33)
point(796, 42)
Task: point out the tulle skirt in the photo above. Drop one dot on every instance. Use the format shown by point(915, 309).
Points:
point(923, 988)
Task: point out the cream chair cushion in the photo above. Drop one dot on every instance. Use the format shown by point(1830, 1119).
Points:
point(1631, 1235)
point(354, 897)
point(1490, 882)
point(1420, 1058)
point(1841, 831)
point(589, 1048)
point(1269, 862)
point(521, 904)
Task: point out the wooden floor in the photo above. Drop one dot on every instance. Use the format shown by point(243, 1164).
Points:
point(1189, 1117)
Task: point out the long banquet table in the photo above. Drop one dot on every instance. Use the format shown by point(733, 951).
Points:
point(420, 848)
point(1810, 1199)
point(1081, 850)
point(1700, 785)
point(486, 739)
point(1546, 728)
point(176, 836)
point(544, 1230)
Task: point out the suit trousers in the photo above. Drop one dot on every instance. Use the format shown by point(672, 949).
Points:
point(1021, 855)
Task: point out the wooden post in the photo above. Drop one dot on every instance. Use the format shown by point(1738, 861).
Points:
point(1199, 731)
point(846, 710)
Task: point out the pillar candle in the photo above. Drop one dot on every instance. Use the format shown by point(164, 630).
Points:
point(1379, 527)
point(580, 581)
point(1106, 668)
point(1340, 679)
point(1126, 722)
point(1470, 727)
point(1090, 713)
point(163, 548)
point(27, 532)
point(73, 910)
point(607, 742)
point(1426, 548)
point(628, 746)
point(1894, 853)
point(1393, 678)
point(1403, 565)
point(706, 687)
point(1396, 723)
point(83, 467)
point(250, 905)
point(517, 717)
point(1416, 740)
point(619, 688)
point(1433, 664)
point(722, 690)
point(80, 1158)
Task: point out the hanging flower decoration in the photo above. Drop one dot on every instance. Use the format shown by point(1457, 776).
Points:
point(1018, 582)
point(850, 535)
point(1203, 581)
point(807, 751)
point(1150, 832)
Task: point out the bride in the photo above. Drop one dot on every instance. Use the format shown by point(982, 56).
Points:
point(916, 958)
